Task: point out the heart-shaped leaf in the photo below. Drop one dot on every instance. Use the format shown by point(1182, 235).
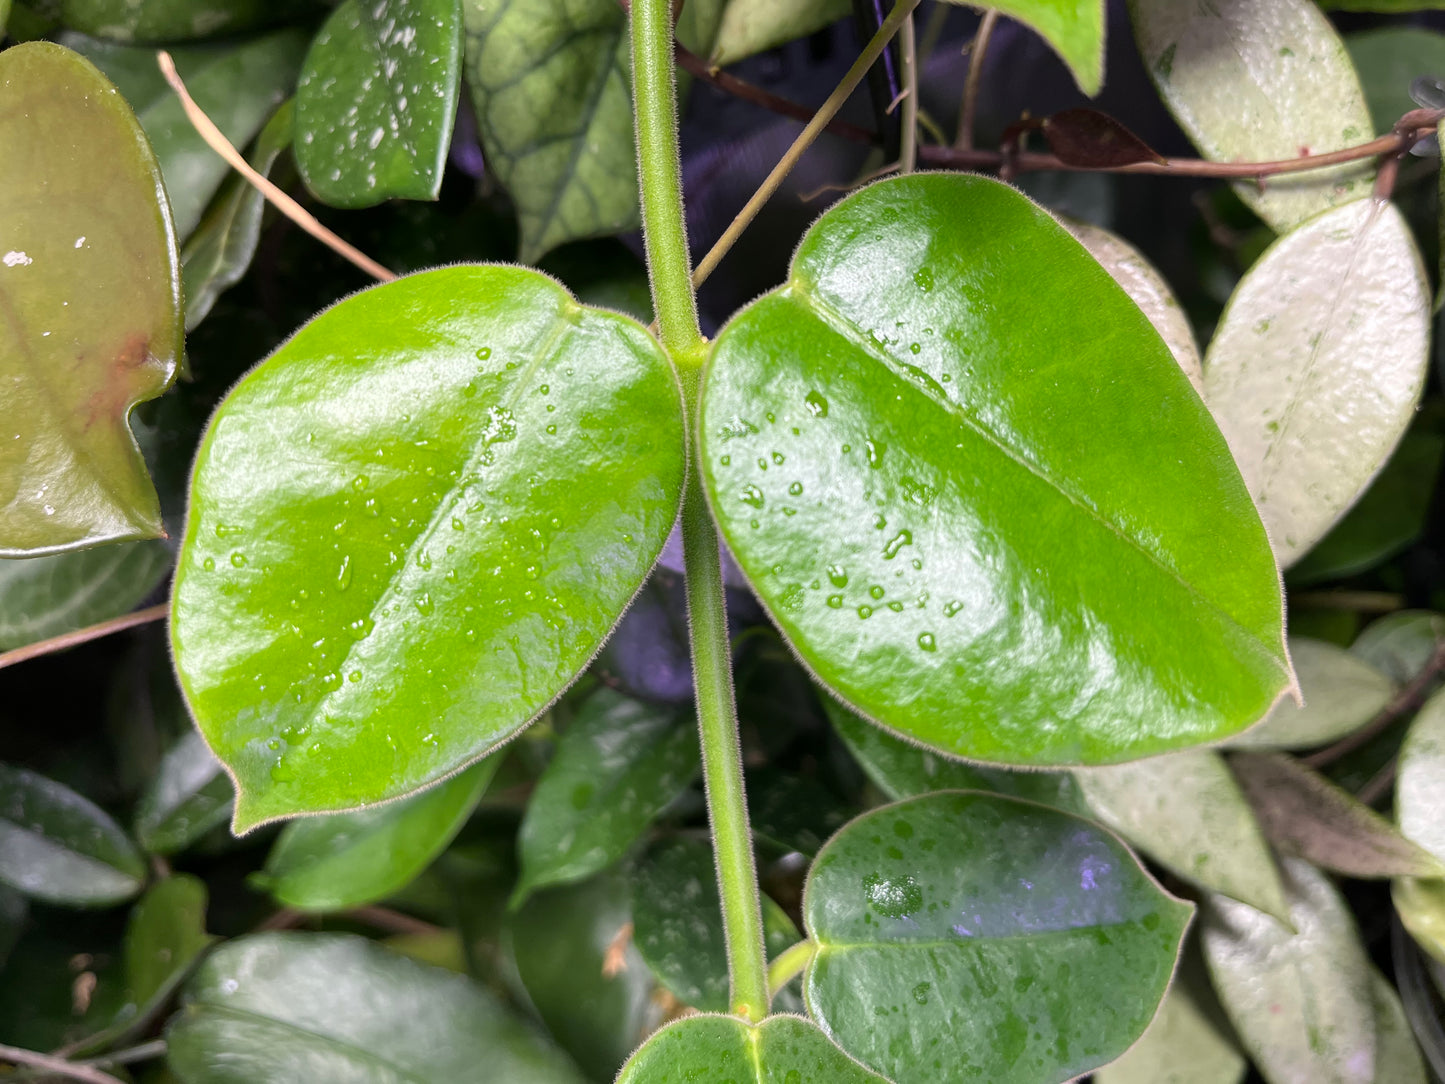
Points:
point(190, 795)
point(942, 486)
point(485, 486)
point(42, 597)
point(70, 471)
point(965, 936)
point(1251, 81)
point(376, 99)
point(1317, 365)
point(1074, 28)
point(1341, 694)
point(710, 1049)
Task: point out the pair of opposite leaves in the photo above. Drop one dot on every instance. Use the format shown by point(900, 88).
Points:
point(957, 464)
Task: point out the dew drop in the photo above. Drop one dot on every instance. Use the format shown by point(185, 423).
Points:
point(343, 575)
point(816, 404)
point(835, 601)
point(875, 453)
point(751, 495)
point(423, 604)
point(927, 642)
point(923, 279)
point(951, 608)
point(838, 575)
point(896, 543)
point(238, 559)
point(796, 489)
point(483, 353)
point(209, 564)
point(865, 612)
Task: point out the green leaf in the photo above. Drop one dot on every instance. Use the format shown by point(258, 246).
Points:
point(217, 255)
point(1073, 28)
point(61, 848)
point(349, 859)
point(1317, 364)
point(42, 597)
point(678, 928)
point(376, 99)
point(1341, 694)
point(1187, 813)
point(1251, 81)
point(1304, 813)
point(968, 936)
point(1388, 60)
point(618, 765)
point(165, 936)
point(190, 795)
point(70, 471)
point(1401, 643)
point(13, 911)
point(485, 487)
point(1420, 782)
point(1421, 907)
point(165, 20)
point(296, 1006)
point(1300, 1002)
point(754, 26)
point(890, 457)
point(1397, 1057)
point(712, 1049)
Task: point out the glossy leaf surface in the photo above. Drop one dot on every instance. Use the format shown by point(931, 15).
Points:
point(755, 26)
point(346, 860)
point(376, 99)
point(1251, 81)
point(42, 597)
point(1300, 1002)
point(485, 488)
point(70, 471)
point(964, 936)
point(165, 936)
point(1187, 813)
point(189, 795)
point(1317, 365)
point(1420, 791)
point(1341, 693)
point(294, 1006)
point(164, 20)
point(905, 435)
point(1074, 28)
point(618, 765)
point(59, 847)
point(725, 1050)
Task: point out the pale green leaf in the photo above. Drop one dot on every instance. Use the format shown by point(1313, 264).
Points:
point(755, 26)
point(1341, 693)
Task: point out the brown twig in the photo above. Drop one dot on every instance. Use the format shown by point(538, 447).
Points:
point(1360, 602)
point(59, 1066)
point(217, 141)
point(969, 108)
point(1402, 703)
point(384, 918)
point(81, 636)
point(1380, 783)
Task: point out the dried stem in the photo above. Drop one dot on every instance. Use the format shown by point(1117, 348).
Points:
point(1405, 701)
point(969, 109)
point(81, 636)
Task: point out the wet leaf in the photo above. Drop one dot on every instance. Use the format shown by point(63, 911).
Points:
point(967, 936)
point(712, 1049)
point(754, 26)
point(42, 597)
point(1401, 643)
point(329, 623)
point(1259, 82)
point(890, 457)
point(346, 860)
point(1341, 694)
point(1073, 28)
point(165, 20)
point(617, 766)
point(298, 1006)
point(376, 99)
point(1388, 60)
point(190, 795)
point(1304, 813)
point(1187, 813)
point(1300, 1002)
point(1317, 365)
point(165, 936)
point(61, 848)
point(71, 474)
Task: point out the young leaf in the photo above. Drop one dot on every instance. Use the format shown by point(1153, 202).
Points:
point(165, 936)
point(749, 27)
point(42, 597)
point(350, 859)
point(485, 487)
point(1304, 813)
point(1187, 813)
point(710, 1049)
point(1260, 81)
point(968, 936)
point(298, 1006)
point(1300, 1002)
point(1317, 365)
point(1341, 694)
point(1073, 28)
point(163, 20)
point(618, 765)
point(70, 472)
point(1388, 60)
point(894, 444)
point(376, 99)
point(61, 848)
point(190, 795)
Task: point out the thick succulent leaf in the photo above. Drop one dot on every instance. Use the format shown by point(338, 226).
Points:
point(1300, 1001)
point(484, 489)
point(1073, 28)
point(165, 936)
point(1341, 693)
point(725, 1050)
point(376, 99)
point(313, 1007)
point(1397, 1056)
point(1420, 783)
point(1252, 81)
point(1317, 365)
point(618, 765)
point(70, 471)
point(1187, 813)
point(42, 597)
point(890, 459)
point(346, 860)
point(1388, 60)
point(163, 20)
point(190, 795)
point(218, 254)
point(61, 848)
point(965, 936)
point(1143, 283)
point(1401, 643)
point(755, 26)
point(1304, 813)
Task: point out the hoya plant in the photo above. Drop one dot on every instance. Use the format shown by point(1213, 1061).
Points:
point(452, 635)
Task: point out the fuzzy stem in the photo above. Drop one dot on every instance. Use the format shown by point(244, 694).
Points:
point(791, 963)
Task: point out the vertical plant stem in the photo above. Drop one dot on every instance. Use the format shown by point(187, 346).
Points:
point(964, 140)
point(908, 63)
